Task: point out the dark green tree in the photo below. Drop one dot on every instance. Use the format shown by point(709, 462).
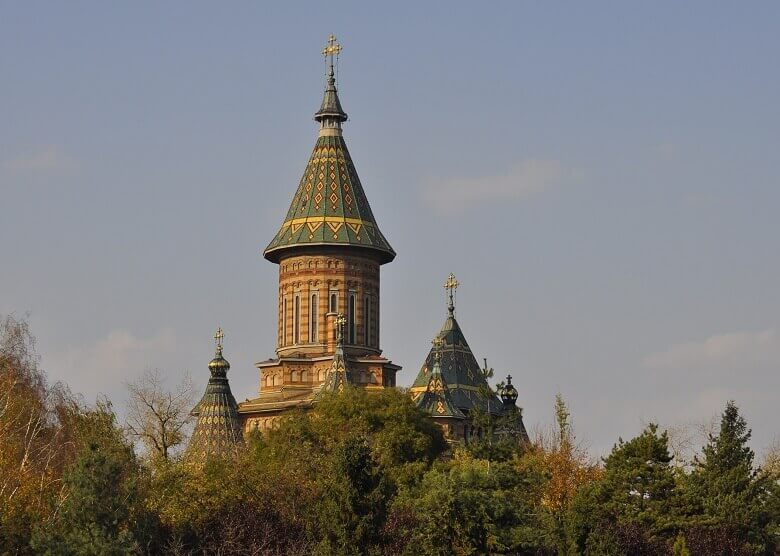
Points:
point(353, 508)
point(94, 517)
point(636, 498)
point(726, 493)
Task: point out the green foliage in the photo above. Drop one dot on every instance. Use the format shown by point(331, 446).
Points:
point(352, 511)
point(100, 490)
point(635, 498)
point(470, 506)
point(364, 474)
point(726, 493)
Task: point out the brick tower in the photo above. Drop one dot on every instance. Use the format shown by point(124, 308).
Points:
point(329, 250)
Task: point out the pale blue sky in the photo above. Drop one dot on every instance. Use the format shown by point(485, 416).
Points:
point(601, 177)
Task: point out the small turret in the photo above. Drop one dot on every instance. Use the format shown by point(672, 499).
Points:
point(338, 375)
point(218, 429)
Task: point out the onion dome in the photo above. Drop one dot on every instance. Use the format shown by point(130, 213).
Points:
point(330, 208)
point(338, 376)
point(218, 428)
point(508, 393)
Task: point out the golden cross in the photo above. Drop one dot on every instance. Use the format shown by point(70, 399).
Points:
point(332, 48)
point(451, 285)
point(218, 338)
point(340, 322)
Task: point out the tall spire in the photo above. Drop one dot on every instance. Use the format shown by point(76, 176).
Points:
point(331, 115)
point(330, 207)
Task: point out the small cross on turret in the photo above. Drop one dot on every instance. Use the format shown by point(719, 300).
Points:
point(341, 322)
point(451, 285)
point(218, 336)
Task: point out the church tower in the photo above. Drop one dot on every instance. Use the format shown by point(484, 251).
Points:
point(329, 250)
point(451, 375)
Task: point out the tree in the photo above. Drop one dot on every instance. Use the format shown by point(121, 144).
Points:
point(635, 499)
point(463, 506)
point(726, 493)
point(353, 509)
point(568, 468)
point(158, 417)
point(29, 436)
point(97, 511)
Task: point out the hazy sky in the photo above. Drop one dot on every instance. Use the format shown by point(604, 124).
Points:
point(601, 177)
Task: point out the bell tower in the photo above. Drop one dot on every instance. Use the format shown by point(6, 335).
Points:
point(329, 250)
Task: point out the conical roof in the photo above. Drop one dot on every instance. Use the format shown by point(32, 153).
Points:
point(330, 207)
point(436, 400)
point(218, 429)
point(461, 372)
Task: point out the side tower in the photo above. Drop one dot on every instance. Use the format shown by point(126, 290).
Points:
point(329, 250)
point(218, 428)
point(452, 360)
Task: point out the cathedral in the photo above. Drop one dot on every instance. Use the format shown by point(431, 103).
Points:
point(330, 250)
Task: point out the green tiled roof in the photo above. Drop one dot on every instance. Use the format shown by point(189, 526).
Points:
point(218, 429)
point(436, 400)
point(330, 207)
point(460, 371)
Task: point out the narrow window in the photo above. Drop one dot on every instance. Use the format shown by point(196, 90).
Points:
point(284, 322)
point(297, 321)
point(313, 319)
point(334, 302)
point(351, 319)
point(366, 320)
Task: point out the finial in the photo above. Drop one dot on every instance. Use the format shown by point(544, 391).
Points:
point(437, 344)
point(451, 285)
point(508, 380)
point(218, 336)
point(341, 321)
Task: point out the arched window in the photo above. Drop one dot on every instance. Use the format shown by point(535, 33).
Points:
point(333, 306)
point(277, 380)
point(367, 321)
point(284, 322)
point(351, 324)
point(294, 376)
point(297, 320)
point(313, 319)
point(304, 376)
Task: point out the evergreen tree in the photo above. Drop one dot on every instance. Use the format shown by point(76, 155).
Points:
point(725, 492)
point(94, 517)
point(352, 512)
point(636, 498)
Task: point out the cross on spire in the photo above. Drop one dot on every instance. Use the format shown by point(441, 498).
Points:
point(332, 49)
point(341, 321)
point(218, 336)
point(451, 285)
